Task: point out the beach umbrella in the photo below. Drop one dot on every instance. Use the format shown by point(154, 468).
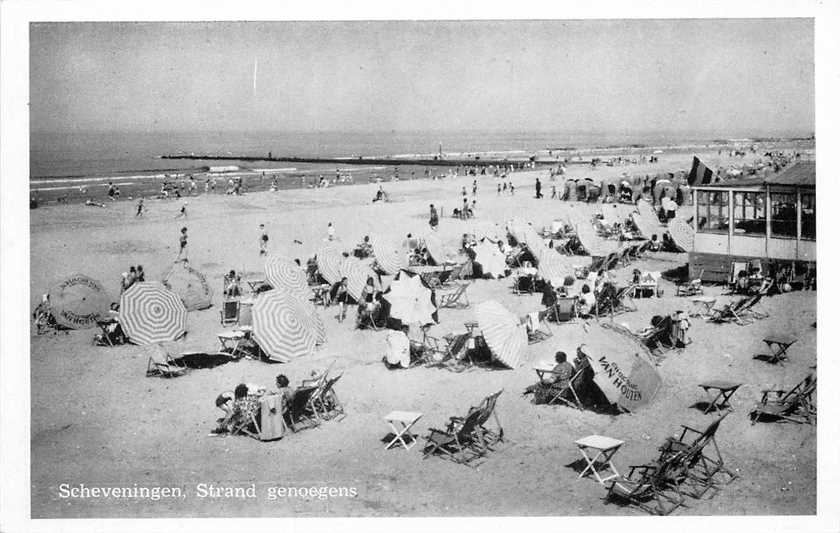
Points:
point(623, 368)
point(78, 302)
point(284, 274)
point(593, 243)
point(525, 233)
point(491, 259)
point(390, 258)
point(646, 220)
point(190, 285)
point(554, 267)
point(398, 350)
point(357, 274)
point(661, 187)
point(488, 230)
point(682, 234)
point(410, 299)
point(329, 259)
point(504, 334)
point(283, 326)
point(150, 313)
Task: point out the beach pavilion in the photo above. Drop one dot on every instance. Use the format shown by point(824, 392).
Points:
point(771, 219)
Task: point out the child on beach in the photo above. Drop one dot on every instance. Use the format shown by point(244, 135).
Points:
point(499, 189)
point(182, 212)
point(330, 232)
point(433, 217)
point(511, 188)
point(263, 240)
point(182, 251)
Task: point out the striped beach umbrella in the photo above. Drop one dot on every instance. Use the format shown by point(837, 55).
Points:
point(190, 285)
point(357, 274)
point(411, 299)
point(78, 302)
point(283, 326)
point(284, 274)
point(503, 332)
point(593, 243)
point(491, 231)
point(682, 234)
point(525, 233)
point(554, 267)
point(150, 313)
point(646, 221)
point(329, 259)
point(436, 248)
point(390, 257)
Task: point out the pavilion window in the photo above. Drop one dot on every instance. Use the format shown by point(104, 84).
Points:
point(809, 216)
point(749, 214)
point(782, 214)
point(712, 211)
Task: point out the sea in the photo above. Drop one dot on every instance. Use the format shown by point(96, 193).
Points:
point(75, 166)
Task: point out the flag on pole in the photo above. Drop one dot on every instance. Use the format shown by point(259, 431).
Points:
point(700, 173)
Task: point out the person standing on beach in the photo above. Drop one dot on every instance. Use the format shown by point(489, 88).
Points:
point(111, 190)
point(498, 189)
point(433, 217)
point(464, 192)
point(538, 187)
point(330, 232)
point(182, 212)
point(511, 188)
point(139, 208)
point(263, 240)
point(182, 251)
point(553, 192)
point(475, 187)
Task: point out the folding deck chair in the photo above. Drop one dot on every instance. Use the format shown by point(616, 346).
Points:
point(324, 401)
point(738, 312)
point(466, 438)
point(693, 288)
point(161, 364)
point(701, 465)
point(795, 405)
point(229, 313)
point(564, 309)
point(301, 409)
point(557, 394)
point(270, 425)
point(650, 487)
point(456, 299)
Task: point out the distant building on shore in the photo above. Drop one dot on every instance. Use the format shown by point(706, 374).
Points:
point(770, 219)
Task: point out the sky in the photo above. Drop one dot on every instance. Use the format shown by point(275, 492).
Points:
point(708, 75)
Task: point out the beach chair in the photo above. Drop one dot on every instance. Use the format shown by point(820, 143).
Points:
point(650, 487)
point(565, 309)
point(460, 271)
point(658, 337)
point(751, 309)
point(701, 462)
point(454, 443)
point(734, 268)
point(734, 312)
point(467, 438)
point(325, 401)
point(794, 405)
point(456, 299)
point(229, 313)
point(559, 394)
point(270, 425)
point(301, 411)
point(162, 365)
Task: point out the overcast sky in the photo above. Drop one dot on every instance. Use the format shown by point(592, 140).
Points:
point(612, 76)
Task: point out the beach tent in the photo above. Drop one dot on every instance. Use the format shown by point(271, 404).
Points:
point(357, 274)
point(398, 349)
point(609, 187)
point(150, 313)
point(587, 190)
point(682, 234)
point(78, 302)
point(624, 369)
point(328, 259)
point(411, 299)
point(491, 259)
point(662, 189)
point(285, 327)
point(503, 332)
point(284, 274)
point(390, 257)
point(190, 285)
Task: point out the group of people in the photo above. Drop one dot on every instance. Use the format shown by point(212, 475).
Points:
point(134, 275)
point(570, 381)
point(241, 406)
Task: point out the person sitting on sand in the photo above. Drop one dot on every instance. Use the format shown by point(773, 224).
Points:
point(141, 276)
point(364, 249)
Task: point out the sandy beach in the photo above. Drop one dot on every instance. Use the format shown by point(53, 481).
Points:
point(97, 420)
